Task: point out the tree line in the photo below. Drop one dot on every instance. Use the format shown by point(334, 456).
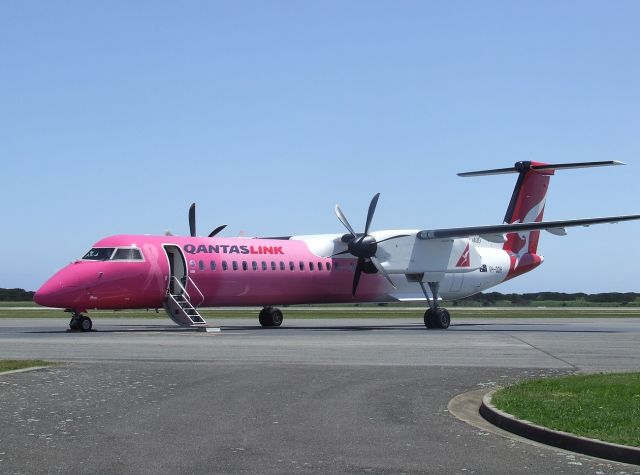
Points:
point(492, 298)
point(15, 295)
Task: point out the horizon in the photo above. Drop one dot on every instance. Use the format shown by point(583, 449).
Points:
point(116, 116)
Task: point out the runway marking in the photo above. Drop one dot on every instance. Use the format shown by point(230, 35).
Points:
point(545, 352)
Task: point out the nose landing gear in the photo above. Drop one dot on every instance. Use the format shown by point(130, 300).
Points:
point(80, 322)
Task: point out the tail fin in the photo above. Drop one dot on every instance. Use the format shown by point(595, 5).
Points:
point(529, 198)
point(527, 206)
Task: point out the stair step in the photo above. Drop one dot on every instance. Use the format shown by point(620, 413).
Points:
point(185, 313)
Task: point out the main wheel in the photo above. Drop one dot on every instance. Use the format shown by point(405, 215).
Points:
point(270, 317)
point(442, 319)
point(276, 317)
point(428, 319)
point(263, 317)
point(85, 323)
point(438, 319)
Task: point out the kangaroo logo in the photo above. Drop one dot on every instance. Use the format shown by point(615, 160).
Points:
point(464, 260)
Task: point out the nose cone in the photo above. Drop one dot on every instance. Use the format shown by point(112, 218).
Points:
point(62, 290)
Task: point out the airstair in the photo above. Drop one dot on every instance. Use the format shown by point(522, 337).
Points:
point(179, 306)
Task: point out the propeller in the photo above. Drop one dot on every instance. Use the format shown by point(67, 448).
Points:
point(363, 245)
point(192, 219)
point(192, 223)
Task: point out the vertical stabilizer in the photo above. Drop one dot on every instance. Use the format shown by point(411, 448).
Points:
point(527, 205)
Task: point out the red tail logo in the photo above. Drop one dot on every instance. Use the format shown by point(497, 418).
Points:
point(464, 260)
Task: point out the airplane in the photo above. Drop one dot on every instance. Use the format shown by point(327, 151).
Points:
point(181, 274)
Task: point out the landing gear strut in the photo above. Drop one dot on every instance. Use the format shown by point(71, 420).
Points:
point(435, 317)
point(270, 317)
point(80, 322)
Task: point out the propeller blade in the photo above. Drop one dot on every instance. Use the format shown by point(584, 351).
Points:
point(192, 219)
point(372, 209)
point(343, 220)
point(393, 237)
point(356, 276)
point(217, 230)
point(382, 270)
point(340, 253)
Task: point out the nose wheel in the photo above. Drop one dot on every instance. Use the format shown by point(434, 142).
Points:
point(80, 322)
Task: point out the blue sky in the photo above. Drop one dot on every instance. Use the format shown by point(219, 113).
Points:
point(115, 116)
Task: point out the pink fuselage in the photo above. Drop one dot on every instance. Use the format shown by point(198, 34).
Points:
point(262, 275)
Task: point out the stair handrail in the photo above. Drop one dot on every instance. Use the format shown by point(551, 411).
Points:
point(184, 290)
point(189, 279)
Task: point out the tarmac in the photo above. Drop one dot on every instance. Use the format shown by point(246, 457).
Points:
point(314, 396)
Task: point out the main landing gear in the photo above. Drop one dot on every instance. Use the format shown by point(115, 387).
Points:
point(270, 317)
point(435, 317)
point(80, 323)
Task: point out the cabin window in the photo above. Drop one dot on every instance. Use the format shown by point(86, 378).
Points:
point(127, 254)
point(301, 265)
point(328, 265)
point(311, 266)
point(352, 266)
point(264, 265)
point(244, 265)
point(213, 265)
point(234, 265)
point(192, 263)
point(254, 265)
point(273, 265)
point(319, 265)
point(292, 266)
point(336, 266)
point(201, 265)
point(281, 265)
point(224, 265)
point(98, 254)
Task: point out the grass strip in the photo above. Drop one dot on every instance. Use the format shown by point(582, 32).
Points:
point(10, 365)
point(599, 406)
point(345, 312)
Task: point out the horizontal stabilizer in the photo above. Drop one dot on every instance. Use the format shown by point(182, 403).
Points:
point(524, 166)
point(497, 229)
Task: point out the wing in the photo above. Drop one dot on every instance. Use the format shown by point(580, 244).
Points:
point(492, 233)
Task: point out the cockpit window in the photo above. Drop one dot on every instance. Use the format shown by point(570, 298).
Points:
point(127, 254)
point(99, 254)
point(107, 253)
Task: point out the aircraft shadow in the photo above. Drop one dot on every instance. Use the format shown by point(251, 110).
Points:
point(469, 327)
point(456, 327)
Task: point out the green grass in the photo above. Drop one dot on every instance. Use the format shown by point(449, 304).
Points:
point(27, 303)
point(344, 311)
point(10, 365)
point(599, 406)
point(547, 303)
